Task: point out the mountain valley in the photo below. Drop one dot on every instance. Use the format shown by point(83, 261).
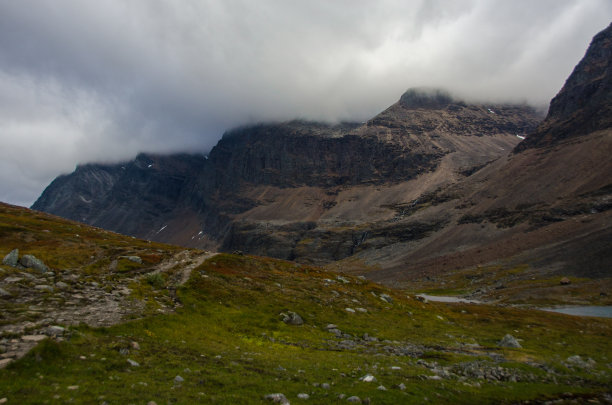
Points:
point(299, 262)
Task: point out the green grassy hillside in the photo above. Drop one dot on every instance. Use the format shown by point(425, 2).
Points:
point(200, 329)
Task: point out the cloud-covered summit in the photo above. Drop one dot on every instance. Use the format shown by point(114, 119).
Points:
point(101, 81)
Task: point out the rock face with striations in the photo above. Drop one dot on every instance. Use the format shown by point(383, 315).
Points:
point(218, 200)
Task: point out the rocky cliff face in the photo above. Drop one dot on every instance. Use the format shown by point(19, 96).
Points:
point(427, 137)
point(584, 104)
point(543, 211)
point(130, 198)
point(423, 190)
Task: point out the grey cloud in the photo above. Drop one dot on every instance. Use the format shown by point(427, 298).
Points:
point(83, 81)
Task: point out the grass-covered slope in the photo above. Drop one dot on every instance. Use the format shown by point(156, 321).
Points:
point(215, 334)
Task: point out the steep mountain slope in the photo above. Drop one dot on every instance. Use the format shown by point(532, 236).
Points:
point(129, 198)
point(122, 320)
point(425, 189)
point(546, 206)
point(291, 175)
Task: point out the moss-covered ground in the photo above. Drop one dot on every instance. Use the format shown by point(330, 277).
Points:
point(226, 342)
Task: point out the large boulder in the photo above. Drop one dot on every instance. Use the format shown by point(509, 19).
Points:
point(291, 318)
point(31, 262)
point(12, 258)
point(509, 341)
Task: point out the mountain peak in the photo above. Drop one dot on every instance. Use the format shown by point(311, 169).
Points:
point(584, 104)
point(425, 97)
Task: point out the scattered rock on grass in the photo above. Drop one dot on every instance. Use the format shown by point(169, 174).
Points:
point(565, 281)
point(135, 259)
point(178, 379)
point(291, 318)
point(136, 364)
point(12, 258)
point(31, 262)
point(44, 287)
point(509, 341)
point(33, 338)
point(4, 293)
point(368, 378)
point(277, 398)
point(55, 330)
point(303, 395)
point(354, 399)
point(386, 298)
point(577, 361)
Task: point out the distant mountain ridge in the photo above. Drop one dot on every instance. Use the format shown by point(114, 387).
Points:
point(205, 194)
point(424, 189)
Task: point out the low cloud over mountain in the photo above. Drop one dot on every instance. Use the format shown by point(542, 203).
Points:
point(103, 81)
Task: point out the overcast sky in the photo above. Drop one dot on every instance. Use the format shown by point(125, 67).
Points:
point(85, 81)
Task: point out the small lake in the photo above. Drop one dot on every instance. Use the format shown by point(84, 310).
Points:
point(440, 298)
point(576, 310)
point(600, 311)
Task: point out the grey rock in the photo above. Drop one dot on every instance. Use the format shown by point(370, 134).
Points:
point(386, 298)
point(509, 341)
point(31, 262)
point(136, 364)
point(336, 332)
point(61, 285)
point(55, 330)
point(135, 259)
point(44, 287)
point(368, 378)
point(178, 379)
point(303, 395)
point(13, 279)
point(381, 388)
point(291, 318)
point(277, 398)
point(325, 386)
point(577, 361)
point(12, 258)
point(341, 396)
point(4, 293)
point(33, 338)
point(354, 399)
point(369, 338)
point(402, 386)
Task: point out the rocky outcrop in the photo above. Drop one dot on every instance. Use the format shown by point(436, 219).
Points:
point(197, 201)
point(131, 198)
point(584, 104)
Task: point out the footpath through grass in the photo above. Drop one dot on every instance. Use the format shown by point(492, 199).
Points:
point(227, 343)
